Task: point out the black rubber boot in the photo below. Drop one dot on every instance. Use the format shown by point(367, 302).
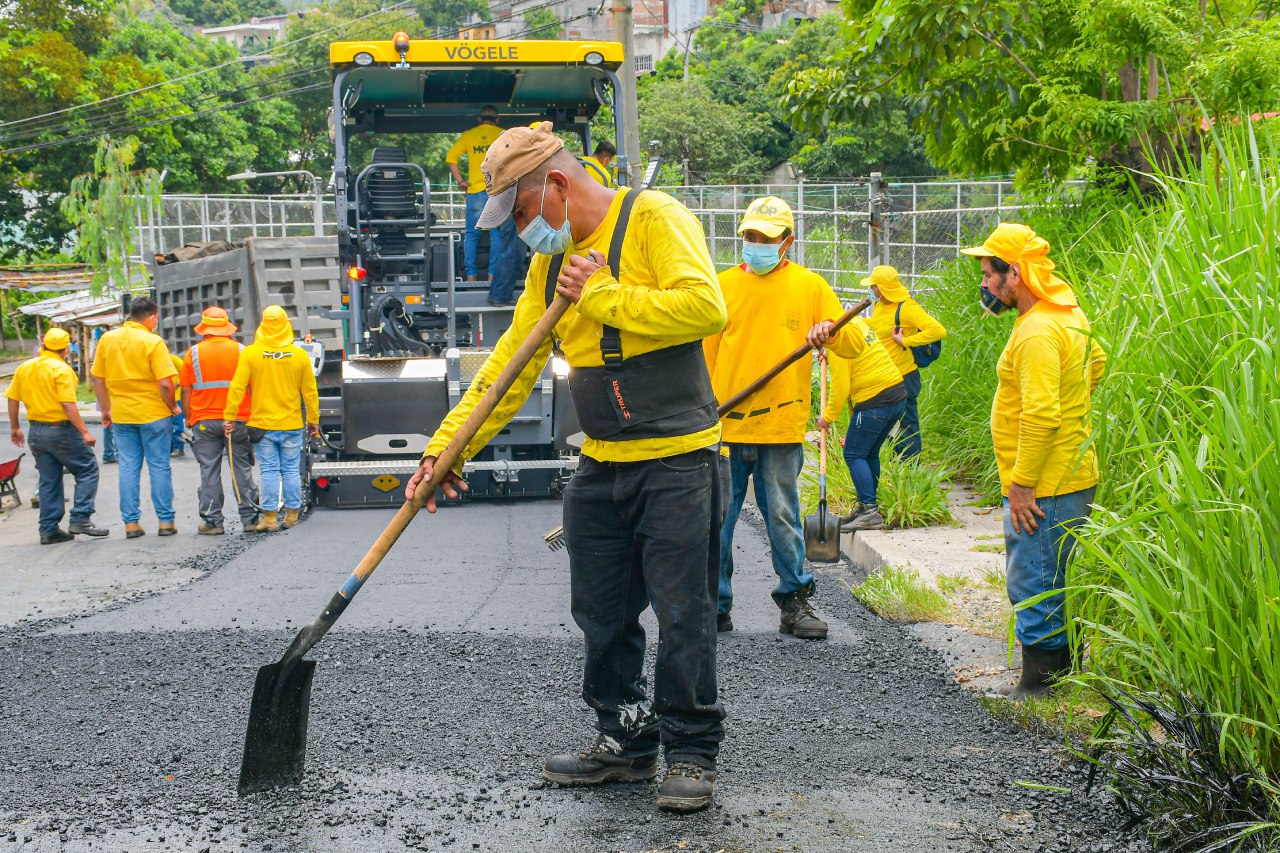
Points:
point(687, 787)
point(603, 762)
point(798, 617)
point(1041, 668)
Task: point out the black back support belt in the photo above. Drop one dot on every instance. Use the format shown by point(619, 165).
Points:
point(663, 393)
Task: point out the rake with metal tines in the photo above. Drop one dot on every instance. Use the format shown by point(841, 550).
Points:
point(555, 538)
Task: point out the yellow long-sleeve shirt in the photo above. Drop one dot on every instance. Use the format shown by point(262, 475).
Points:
point(283, 385)
point(861, 369)
point(768, 318)
point(918, 328)
point(665, 293)
point(1040, 414)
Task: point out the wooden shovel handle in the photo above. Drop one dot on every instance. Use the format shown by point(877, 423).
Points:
point(448, 457)
point(796, 354)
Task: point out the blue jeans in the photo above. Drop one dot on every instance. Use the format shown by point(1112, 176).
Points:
point(867, 433)
point(280, 460)
point(471, 239)
point(909, 444)
point(504, 245)
point(108, 444)
point(57, 447)
point(1036, 563)
point(178, 424)
point(135, 442)
point(775, 469)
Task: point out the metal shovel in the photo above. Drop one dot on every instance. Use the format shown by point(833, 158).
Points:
point(276, 744)
point(822, 529)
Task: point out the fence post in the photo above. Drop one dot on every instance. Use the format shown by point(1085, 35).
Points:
point(959, 245)
point(800, 217)
point(874, 186)
point(999, 199)
point(915, 227)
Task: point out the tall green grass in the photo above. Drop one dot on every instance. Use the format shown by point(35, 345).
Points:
point(1176, 583)
point(1177, 588)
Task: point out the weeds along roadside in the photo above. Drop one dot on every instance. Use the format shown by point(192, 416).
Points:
point(1176, 587)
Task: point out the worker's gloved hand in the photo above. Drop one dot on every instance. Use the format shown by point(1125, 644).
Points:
point(451, 484)
point(820, 334)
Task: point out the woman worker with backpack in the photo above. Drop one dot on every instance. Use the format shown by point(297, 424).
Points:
point(913, 338)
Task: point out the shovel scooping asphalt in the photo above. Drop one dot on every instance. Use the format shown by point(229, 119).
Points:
point(555, 538)
point(822, 529)
point(276, 744)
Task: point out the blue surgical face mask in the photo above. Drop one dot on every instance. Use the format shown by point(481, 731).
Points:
point(761, 257)
point(990, 303)
point(541, 237)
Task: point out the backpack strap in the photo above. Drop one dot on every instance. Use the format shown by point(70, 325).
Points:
point(897, 319)
point(611, 339)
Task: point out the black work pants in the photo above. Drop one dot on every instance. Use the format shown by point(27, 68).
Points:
point(639, 532)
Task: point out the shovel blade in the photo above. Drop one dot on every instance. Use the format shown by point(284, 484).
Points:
point(822, 538)
point(275, 747)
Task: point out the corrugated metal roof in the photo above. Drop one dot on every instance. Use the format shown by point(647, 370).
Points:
point(78, 307)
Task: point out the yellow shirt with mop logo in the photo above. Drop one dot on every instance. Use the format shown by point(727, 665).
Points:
point(1040, 414)
point(668, 295)
point(769, 316)
point(43, 384)
point(283, 384)
point(132, 360)
point(861, 370)
point(473, 144)
point(918, 328)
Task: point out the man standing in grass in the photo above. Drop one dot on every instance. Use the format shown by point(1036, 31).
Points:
point(771, 302)
point(1040, 427)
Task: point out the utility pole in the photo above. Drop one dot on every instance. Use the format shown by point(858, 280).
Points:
point(624, 32)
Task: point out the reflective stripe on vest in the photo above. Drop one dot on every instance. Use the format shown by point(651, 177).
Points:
point(200, 384)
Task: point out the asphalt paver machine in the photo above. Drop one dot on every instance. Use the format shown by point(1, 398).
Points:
point(415, 331)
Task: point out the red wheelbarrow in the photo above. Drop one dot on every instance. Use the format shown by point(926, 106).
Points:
point(9, 483)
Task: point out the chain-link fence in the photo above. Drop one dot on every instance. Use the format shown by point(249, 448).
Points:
point(842, 229)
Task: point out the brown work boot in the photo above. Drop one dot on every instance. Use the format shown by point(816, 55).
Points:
point(291, 517)
point(268, 523)
point(207, 529)
point(687, 787)
point(798, 617)
point(132, 530)
point(602, 762)
point(167, 528)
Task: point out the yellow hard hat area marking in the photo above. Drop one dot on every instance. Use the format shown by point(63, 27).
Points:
point(386, 482)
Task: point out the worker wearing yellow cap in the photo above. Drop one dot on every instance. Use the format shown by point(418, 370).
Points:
point(642, 513)
point(771, 301)
point(284, 387)
point(1041, 431)
point(46, 386)
point(207, 371)
point(911, 336)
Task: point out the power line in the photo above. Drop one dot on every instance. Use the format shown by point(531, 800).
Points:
point(101, 102)
point(81, 138)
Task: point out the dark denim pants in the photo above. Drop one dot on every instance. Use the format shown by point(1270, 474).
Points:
point(775, 470)
point(868, 430)
point(640, 532)
point(1036, 563)
point(108, 444)
point(59, 447)
point(909, 444)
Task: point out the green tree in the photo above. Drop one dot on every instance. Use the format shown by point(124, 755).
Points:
point(448, 15)
point(694, 128)
point(1042, 87)
point(543, 24)
point(105, 205)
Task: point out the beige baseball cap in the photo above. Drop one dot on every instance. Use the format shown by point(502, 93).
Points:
point(514, 154)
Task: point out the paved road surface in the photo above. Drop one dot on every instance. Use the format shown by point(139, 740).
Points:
point(448, 680)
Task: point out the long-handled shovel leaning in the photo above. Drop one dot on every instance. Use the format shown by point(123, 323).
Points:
point(822, 529)
point(555, 538)
point(276, 744)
